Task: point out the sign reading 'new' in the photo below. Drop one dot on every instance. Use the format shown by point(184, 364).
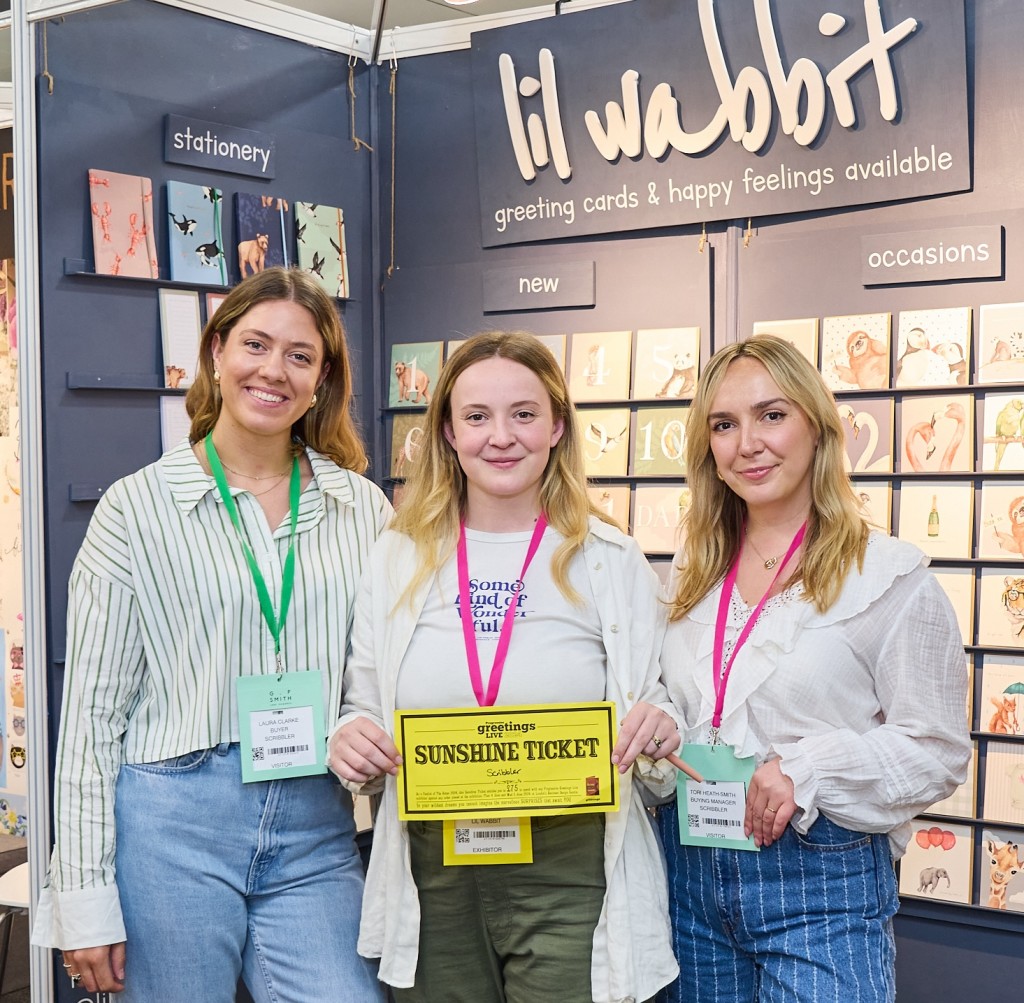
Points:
point(664, 113)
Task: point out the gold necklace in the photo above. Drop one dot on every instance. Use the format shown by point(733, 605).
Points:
point(254, 477)
point(769, 562)
point(260, 494)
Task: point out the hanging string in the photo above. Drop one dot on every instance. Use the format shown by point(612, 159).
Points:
point(47, 75)
point(703, 238)
point(393, 88)
point(356, 141)
point(749, 233)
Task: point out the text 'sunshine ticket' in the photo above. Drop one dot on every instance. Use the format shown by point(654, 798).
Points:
point(545, 759)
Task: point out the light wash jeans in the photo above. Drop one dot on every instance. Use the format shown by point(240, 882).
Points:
point(806, 920)
point(219, 879)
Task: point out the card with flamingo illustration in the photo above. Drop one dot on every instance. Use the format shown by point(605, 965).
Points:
point(1001, 525)
point(1002, 440)
point(1001, 608)
point(659, 446)
point(605, 435)
point(658, 510)
point(1001, 707)
point(123, 237)
point(1001, 343)
point(1001, 855)
point(933, 348)
point(802, 334)
point(936, 433)
point(937, 864)
point(613, 501)
point(937, 516)
point(599, 365)
point(868, 426)
point(875, 500)
point(855, 351)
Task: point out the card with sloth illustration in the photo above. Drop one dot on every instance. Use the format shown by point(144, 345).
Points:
point(855, 351)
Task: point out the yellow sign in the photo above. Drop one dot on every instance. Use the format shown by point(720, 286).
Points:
point(546, 759)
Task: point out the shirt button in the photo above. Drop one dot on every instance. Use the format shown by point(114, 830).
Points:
point(629, 695)
point(598, 566)
point(614, 628)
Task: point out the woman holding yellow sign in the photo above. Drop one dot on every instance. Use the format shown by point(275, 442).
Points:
point(498, 586)
point(822, 679)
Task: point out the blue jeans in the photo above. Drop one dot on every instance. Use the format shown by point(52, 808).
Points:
point(220, 879)
point(806, 920)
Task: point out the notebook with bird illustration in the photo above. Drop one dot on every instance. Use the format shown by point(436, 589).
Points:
point(320, 245)
point(123, 240)
point(195, 237)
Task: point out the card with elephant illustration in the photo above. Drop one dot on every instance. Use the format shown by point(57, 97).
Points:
point(937, 864)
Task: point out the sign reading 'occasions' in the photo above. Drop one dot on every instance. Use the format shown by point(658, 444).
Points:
point(716, 110)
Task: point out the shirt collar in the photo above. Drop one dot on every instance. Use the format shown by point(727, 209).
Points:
point(189, 483)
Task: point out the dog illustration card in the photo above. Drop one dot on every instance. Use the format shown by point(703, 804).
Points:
point(1002, 442)
point(868, 426)
point(1001, 529)
point(599, 365)
point(802, 334)
point(666, 363)
point(320, 246)
point(1001, 343)
point(658, 510)
point(195, 235)
point(261, 228)
point(937, 864)
point(936, 433)
point(613, 501)
point(855, 351)
point(415, 367)
point(659, 446)
point(123, 236)
point(932, 348)
point(605, 435)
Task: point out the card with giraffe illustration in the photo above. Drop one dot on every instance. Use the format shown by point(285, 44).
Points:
point(1001, 859)
point(937, 864)
point(935, 432)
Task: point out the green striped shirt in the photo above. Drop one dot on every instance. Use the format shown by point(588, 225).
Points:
point(162, 617)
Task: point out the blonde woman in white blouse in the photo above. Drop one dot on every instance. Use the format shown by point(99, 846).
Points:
point(819, 667)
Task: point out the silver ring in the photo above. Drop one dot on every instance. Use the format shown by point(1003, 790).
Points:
point(656, 741)
point(67, 966)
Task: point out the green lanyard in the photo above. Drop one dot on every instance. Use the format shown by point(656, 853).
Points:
point(274, 623)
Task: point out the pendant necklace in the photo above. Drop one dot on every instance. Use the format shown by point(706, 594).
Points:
point(769, 562)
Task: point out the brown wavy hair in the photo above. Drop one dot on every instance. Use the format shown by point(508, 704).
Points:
point(329, 427)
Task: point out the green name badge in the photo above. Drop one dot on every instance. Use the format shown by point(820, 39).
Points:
point(281, 725)
point(711, 813)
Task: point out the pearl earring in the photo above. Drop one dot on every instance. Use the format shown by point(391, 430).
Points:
point(216, 376)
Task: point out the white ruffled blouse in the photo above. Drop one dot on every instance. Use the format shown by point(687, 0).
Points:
point(863, 704)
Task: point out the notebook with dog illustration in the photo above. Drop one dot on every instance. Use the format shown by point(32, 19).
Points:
point(123, 239)
point(194, 231)
point(261, 232)
point(320, 246)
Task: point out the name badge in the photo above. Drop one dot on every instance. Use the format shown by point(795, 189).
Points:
point(281, 725)
point(487, 841)
point(711, 813)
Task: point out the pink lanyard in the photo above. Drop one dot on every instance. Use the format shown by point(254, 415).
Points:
point(466, 612)
point(721, 675)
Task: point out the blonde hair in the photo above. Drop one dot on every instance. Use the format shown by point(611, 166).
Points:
point(329, 426)
point(713, 527)
point(435, 497)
